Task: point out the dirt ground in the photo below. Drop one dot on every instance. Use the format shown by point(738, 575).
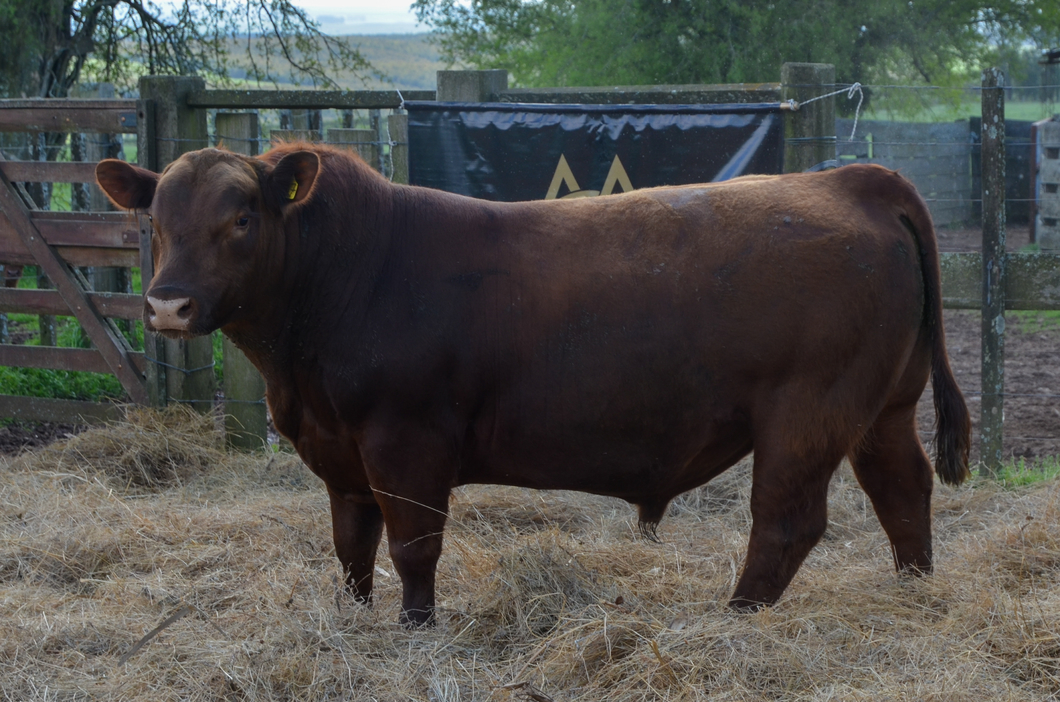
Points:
point(1032, 373)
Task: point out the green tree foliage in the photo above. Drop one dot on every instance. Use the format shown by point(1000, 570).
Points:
point(49, 45)
point(597, 42)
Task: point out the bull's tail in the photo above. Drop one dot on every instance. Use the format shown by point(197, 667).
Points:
point(953, 426)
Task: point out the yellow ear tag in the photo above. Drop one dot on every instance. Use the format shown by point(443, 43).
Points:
point(293, 191)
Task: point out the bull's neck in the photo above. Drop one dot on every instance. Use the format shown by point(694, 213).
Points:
point(333, 252)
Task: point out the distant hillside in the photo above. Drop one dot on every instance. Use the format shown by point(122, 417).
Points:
point(405, 60)
point(409, 60)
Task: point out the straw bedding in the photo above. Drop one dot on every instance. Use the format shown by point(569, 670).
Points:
point(150, 526)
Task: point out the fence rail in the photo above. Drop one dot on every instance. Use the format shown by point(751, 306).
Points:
point(68, 115)
point(305, 99)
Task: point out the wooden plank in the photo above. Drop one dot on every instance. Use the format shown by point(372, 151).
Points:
point(115, 230)
point(73, 255)
point(146, 142)
point(53, 357)
point(110, 343)
point(61, 115)
point(114, 104)
point(363, 142)
point(147, 157)
point(61, 358)
point(238, 132)
point(154, 343)
point(399, 149)
point(305, 99)
point(44, 409)
point(49, 171)
point(109, 304)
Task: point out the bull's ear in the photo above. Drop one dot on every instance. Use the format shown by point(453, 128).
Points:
point(127, 186)
point(291, 180)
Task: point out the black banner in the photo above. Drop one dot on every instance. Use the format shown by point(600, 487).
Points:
point(511, 151)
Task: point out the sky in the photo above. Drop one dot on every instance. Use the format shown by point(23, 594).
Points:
point(363, 16)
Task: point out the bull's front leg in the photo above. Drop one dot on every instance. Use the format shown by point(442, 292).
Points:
point(357, 526)
point(411, 474)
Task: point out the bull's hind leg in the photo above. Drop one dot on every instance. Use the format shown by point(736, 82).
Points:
point(894, 471)
point(357, 525)
point(789, 507)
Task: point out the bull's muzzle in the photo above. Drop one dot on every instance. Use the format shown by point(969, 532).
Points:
point(170, 315)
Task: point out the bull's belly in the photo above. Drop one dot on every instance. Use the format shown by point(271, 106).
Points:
point(656, 459)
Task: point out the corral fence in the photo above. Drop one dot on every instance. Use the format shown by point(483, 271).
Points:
point(174, 115)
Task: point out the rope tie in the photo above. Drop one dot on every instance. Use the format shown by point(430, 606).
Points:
point(400, 107)
point(855, 88)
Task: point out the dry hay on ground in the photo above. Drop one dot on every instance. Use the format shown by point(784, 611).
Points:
point(544, 595)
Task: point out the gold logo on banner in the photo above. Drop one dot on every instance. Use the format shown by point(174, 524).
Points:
point(565, 176)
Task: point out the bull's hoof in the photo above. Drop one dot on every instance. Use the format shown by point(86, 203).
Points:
point(914, 570)
point(358, 601)
point(417, 618)
point(747, 606)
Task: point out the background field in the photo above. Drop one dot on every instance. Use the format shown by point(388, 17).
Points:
point(404, 60)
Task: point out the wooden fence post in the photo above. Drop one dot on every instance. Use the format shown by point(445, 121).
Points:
point(809, 132)
point(992, 411)
point(376, 125)
point(299, 125)
point(246, 420)
point(363, 142)
point(399, 148)
point(177, 130)
point(154, 344)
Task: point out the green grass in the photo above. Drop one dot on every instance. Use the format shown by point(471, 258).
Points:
point(60, 384)
point(946, 111)
point(1021, 472)
point(1033, 322)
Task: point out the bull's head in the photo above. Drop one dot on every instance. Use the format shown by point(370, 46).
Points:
point(218, 221)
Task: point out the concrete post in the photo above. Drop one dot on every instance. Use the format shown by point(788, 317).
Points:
point(992, 409)
point(809, 132)
point(470, 86)
point(1048, 214)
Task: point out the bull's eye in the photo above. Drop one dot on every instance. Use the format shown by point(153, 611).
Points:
point(243, 221)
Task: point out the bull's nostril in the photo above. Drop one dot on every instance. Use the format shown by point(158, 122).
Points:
point(174, 315)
